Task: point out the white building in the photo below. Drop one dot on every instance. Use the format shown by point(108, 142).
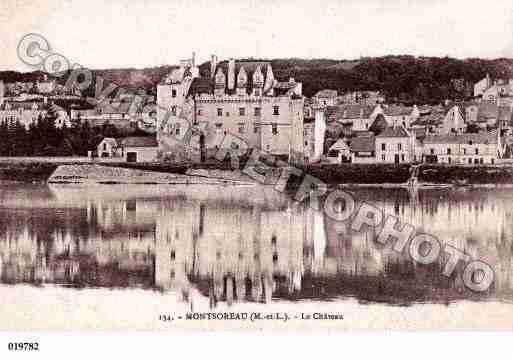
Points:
point(469, 148)
point(139, 149)
point(395, 145)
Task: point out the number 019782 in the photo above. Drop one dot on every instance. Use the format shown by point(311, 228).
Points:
point(23, 346)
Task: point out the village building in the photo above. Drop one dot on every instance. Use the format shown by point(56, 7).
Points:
point(398, 115)
point(395, 145)
point(118, 113)
point(357, 117)
point(482, 85)
point(139, 149)
point(325, 98)
point(441, 120)
point(453, 122)
point(370, 98)
point(505, 120)
point(339, 152)
point(363, 149)
point(487, 115)
point(470, 110)
point(309, 137)
point(28, 113)
point(469, 148)
point(109, 148)
point(498, 91)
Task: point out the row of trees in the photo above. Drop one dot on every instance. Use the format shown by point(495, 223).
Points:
point(43, 138)
point(403, 78)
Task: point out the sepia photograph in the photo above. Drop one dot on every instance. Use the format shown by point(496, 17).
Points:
point(255, 166)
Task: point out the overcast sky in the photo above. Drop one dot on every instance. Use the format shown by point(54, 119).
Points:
point(136, 33)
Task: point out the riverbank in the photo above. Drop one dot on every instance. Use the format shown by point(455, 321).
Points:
point(96, 174)
point(366, 175)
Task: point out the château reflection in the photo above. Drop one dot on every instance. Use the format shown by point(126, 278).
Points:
point(248, 244)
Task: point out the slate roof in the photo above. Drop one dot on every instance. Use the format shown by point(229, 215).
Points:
point(362, 144)
point(148, 141)
point(394, 131)
point(347, 112)
point(485, 137)
point(249, 66)
point(200, 85)
point(109, 140)
point(434, 118)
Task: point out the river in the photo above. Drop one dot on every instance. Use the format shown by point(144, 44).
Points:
point(129, 255)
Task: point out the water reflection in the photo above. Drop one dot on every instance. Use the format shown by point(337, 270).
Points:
point(244, 244)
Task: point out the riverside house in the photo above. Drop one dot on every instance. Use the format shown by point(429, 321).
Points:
point(395, 145)
point(108, 148)
point(468, 148)
point(339, 152)
point(139, 149)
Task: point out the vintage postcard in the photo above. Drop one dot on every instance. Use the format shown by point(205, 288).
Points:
point(172, 165)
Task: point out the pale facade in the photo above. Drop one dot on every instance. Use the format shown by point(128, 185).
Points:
point(481, 148)
point(359, 117)
point(28, 113)
point(395, 145)
point(238, 99)
point(454, 122)
point(25, 113)
point(139, 149)
point(481, 86)
point(401, 115)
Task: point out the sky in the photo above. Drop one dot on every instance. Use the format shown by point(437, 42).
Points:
point(135, 33)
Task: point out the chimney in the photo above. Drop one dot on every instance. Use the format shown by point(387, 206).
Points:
point(213, 65)
point(193, 59)
point(231, 74)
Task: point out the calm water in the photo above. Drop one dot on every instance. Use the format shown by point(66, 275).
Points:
point(244, 244)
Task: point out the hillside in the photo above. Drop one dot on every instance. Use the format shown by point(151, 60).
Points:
point(405, 78)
